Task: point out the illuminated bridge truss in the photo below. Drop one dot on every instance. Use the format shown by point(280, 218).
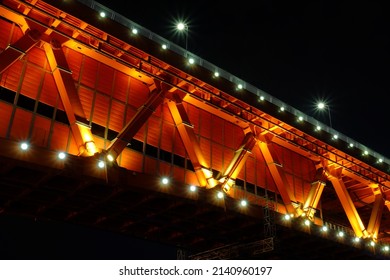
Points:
point(72, 81)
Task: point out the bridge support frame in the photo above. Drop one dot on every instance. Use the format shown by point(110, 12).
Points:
point(350, 210)
point(15, 51)
point(68, 93)
point(186, 132)
point(376, 214)
point(237, 162)
point(314, 196)
point(276, 170)
point(134, 125)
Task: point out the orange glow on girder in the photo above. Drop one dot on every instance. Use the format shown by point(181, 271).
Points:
point(88, 141)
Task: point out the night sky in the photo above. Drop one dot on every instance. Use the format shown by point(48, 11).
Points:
point(297, 51)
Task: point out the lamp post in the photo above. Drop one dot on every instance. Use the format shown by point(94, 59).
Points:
point(181, 26)
point(323, 106)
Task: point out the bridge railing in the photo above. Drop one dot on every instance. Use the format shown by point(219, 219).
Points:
point(228, 76)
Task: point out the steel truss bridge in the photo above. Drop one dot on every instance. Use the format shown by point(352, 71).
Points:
point(126, 113)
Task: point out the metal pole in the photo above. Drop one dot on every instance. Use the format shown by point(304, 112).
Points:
point(186, 31)
point(330, 119)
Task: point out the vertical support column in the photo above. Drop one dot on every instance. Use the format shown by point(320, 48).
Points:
point(238, 161)
point(15, 51)
point(186, 132)
point(70, 99)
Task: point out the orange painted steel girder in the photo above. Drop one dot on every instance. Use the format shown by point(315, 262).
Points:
point(62, 77)
point(314, 195)
point(15, 51)
point(134, 125)
point(61, 70)
point(349, 208)
point(376, 216)
point(388, 205)
point(68, 93)
point(313, 198)
point(19, 20)
point(238, 161)
point(190, 142)
point(276, 169)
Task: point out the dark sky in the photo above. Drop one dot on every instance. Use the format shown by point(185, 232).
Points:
point(297, 51)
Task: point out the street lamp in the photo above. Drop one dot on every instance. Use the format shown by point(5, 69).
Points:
point(181, 26)
point(323, 106)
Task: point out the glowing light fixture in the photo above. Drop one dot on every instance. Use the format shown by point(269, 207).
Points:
point(191, 60)
point(101, 164)
point(341, 234)
point(307, 222)
point(287, 217)
point(244, 203)
point(220, 194)
point(61, 155)
point(165, 181)
point(181, 26)
point(282, 109)
point(240, 86)
point(134, 31)
point(110, 158)
point(323, 106)
point(164, 46)
point(356, 239)
point(24, 146)
point(102, 14)
point(216, 74)
point(192, 188)
point(318, 127)
point(324, 229)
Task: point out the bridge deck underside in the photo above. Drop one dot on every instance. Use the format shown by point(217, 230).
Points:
point(138, 207)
